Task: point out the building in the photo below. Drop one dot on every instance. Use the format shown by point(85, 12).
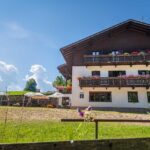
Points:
point(110, 68)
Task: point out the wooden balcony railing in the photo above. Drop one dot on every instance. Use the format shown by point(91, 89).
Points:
point(114, 82)
point(118, 59)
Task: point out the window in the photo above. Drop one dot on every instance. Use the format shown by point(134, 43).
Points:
point(132, 97)
point(95, 73)
point(65, 101)
point(81, 95)
point(95, 53)
point(148, 97)
point(116, 73)
point(144, 72)
point(100, 97)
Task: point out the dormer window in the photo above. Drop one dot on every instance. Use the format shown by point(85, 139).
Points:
point(96, 73)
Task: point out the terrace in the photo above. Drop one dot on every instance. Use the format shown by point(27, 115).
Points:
point(117, 58)
point(124, 81)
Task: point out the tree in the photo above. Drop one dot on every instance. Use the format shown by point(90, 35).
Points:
point(30, 85)
point(69, 83)
point(59, 81)
point(62, 85)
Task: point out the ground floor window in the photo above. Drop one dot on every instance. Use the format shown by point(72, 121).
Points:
point(65, 101)
point(100, 97)
point(81, 95)
point(148, 97)
point(133, 97)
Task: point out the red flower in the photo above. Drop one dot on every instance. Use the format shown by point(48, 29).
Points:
point(135, 53)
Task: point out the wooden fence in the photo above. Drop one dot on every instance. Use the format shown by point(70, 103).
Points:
point(96, 121)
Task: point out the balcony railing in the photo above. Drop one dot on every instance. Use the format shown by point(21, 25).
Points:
point(118, 59)
point(114, 82)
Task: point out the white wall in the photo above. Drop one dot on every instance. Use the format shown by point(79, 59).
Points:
point(119, 96)
point(104, 69)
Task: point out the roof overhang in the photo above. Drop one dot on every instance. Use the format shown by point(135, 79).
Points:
point(65, 71)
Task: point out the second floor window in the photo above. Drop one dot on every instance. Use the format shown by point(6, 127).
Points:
point(96, 73)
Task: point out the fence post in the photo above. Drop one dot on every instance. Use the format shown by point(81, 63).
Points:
point(96, 130)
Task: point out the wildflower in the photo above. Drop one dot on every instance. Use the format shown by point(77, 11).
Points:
point(87, 114)
point(81, 113)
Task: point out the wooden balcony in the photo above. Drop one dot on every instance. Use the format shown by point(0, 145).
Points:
point(116, 60)
point(115, 82)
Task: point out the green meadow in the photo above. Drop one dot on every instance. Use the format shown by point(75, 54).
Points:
point(14, 129)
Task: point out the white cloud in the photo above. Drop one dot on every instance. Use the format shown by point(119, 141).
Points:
point(8, 77)
point(39, 73)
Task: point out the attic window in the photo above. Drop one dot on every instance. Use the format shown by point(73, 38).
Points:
point(95, 53)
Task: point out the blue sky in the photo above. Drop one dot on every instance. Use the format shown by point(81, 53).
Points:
point(33, 31)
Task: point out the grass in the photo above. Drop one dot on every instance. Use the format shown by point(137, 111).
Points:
point(55, 131)
point(17, 92)
point(41, 124)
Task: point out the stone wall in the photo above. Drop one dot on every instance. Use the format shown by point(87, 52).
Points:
point(115, 144)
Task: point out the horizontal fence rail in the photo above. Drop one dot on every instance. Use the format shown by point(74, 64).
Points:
point(104, 59)
point(114, 82)
point(96, 121)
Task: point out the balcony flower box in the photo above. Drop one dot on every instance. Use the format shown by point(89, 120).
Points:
point(142, 53)
point(135, 77)
point(135, 53)
point(126, 54)
point(64, 89)
point(89, 78)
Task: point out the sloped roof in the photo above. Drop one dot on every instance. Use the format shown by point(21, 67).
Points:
point(67, 51)
point(64, 70)
point(127, 22)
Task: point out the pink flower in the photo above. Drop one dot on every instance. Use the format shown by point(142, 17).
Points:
point(81, 113)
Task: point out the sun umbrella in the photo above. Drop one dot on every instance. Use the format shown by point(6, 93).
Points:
point(30, 94)
point(57, 95)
